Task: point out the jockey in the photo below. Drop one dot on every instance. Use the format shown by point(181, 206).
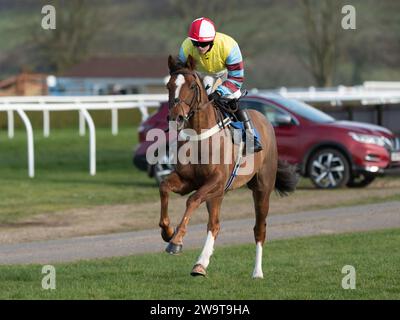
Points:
point(218, 55)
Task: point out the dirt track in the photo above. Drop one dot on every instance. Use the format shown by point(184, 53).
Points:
point(348, 219)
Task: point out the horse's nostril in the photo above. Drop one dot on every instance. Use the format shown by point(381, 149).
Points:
point(180, 118)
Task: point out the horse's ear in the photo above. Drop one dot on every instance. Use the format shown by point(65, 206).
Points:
point(171, 63)
point(190, 63)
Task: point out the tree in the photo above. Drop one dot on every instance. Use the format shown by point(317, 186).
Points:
point(321, 20)
point(76, 27)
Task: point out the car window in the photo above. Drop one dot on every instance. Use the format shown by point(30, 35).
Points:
point(269, 110)
point(305, 110)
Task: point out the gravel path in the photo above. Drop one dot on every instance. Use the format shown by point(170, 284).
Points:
point(338, 220)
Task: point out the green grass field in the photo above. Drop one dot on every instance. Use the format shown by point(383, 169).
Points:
point(62, 179)
point(305, 268)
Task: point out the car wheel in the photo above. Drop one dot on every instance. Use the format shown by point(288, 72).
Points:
point(360, 181)
point(329, 169)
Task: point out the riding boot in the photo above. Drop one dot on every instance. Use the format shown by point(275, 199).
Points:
point(249, 129)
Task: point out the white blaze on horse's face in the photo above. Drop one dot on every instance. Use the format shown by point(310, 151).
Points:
point(179, 81)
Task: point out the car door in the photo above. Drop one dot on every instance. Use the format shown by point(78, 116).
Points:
point(287, 133)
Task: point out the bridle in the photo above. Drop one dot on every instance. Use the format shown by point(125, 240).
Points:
point(193, 104)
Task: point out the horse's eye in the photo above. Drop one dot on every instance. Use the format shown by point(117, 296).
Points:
point(193, 85)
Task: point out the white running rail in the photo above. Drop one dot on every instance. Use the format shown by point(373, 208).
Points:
point(370, 93)
point(82, 104)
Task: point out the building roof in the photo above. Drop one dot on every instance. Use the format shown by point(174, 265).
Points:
point(120, 67)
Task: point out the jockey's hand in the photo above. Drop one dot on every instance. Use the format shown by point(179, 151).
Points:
point(214, 96)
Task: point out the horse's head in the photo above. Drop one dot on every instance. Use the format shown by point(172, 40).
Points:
point(185, 90)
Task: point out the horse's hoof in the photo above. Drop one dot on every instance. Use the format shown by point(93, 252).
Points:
point(258, 275)
point(173, 248)
point(198, 270)
point(165, 236)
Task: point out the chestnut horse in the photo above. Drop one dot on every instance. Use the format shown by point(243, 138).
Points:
point(189, 108)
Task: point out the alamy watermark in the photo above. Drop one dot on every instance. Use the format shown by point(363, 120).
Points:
point(49, 280)
point(349, 20)
point(349, 280)
point(49, 20)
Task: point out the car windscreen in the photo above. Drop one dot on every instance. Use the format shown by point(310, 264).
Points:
point(304, 110)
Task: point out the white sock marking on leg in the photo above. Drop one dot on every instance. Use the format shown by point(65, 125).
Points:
point(257, 273)
point(208, 249)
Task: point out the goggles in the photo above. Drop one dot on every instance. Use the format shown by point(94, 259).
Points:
point(201, 44)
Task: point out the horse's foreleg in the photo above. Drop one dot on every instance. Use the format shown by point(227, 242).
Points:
point(172, 183)
point(212, 188)
point(261, 204)
point(213, 226)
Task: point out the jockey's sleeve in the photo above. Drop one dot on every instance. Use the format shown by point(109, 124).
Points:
point(181, 55)
point(234, 65)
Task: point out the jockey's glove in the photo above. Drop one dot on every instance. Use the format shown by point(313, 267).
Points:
point(214, 96)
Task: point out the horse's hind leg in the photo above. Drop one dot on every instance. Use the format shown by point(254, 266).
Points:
point(172, 183)
point(261, 204)
point(213, 226)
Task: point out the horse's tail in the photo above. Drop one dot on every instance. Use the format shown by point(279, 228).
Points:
point(286, 178)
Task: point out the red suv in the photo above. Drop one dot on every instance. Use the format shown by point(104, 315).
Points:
point(331, 153)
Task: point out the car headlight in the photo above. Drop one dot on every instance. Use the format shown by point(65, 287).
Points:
point(367, 138)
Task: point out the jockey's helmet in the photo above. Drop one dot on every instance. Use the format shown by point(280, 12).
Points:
point(202, 30)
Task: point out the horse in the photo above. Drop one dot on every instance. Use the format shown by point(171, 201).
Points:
point(189, 107)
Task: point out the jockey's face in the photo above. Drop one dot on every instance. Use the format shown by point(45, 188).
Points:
point(203, 50)
point(202, 47)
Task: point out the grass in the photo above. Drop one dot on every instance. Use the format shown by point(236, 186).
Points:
point(69, 119)
point(62, 178)
point(304, 268)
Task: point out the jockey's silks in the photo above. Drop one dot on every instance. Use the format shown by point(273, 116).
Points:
point(224, 57)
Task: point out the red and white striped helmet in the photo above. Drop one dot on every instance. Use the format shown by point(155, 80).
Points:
point(202, 30)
